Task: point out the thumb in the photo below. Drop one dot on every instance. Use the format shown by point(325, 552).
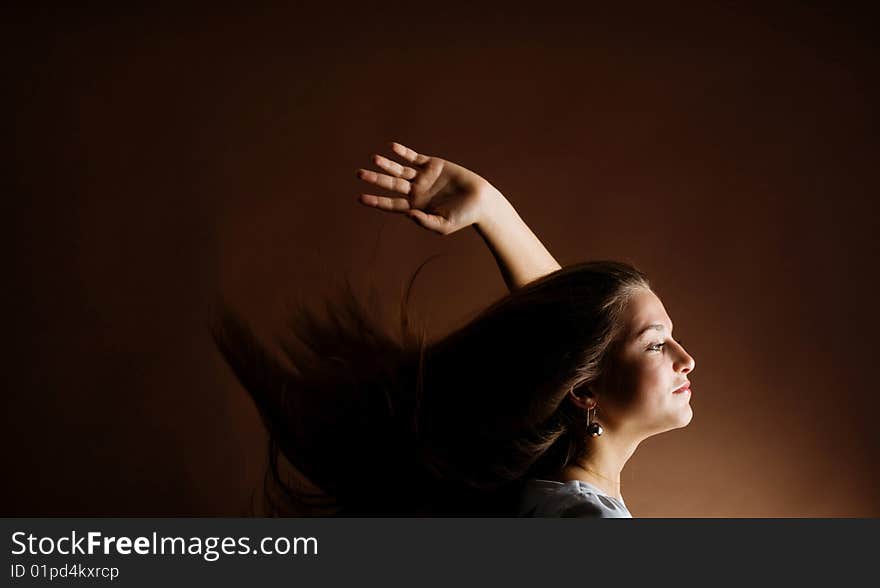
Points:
point(424, 220)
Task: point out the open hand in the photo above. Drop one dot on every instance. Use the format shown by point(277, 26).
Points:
point(439, 195)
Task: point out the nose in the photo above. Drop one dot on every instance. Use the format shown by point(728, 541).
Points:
point(685, 363)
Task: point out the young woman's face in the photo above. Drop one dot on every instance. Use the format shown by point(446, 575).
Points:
point(639, 395)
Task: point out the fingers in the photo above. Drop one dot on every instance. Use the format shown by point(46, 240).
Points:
point(385, 181)
point(394, 168)
point(397, 181)
point(408, 154)
point(385, 203)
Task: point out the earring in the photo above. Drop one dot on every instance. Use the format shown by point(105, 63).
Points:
point(593, 428)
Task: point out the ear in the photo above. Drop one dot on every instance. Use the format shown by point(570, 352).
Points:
point(583, 397)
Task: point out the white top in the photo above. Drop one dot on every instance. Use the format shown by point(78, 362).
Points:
point(575, 498)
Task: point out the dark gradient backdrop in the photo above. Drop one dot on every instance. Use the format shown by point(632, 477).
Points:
point(164, 157)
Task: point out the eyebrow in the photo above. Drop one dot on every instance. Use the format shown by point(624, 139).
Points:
point(655, 326)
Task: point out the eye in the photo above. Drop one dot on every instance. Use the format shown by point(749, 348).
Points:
point(659, 346)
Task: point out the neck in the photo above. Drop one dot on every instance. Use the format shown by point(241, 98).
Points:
point(602, 466)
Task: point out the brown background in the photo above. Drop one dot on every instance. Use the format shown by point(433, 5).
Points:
point(164, 158)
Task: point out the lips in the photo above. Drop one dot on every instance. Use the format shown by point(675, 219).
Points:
point(686, 387)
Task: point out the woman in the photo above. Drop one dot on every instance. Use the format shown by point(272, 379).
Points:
point(532, 408)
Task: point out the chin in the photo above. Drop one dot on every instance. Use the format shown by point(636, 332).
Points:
point(687, 418)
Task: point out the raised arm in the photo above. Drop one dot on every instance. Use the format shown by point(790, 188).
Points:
point(444, 197)
point(520, 255)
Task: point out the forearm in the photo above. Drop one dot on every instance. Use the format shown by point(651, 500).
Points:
point(520, 255)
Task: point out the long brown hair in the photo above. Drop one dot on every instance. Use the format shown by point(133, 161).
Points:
point(366, 422)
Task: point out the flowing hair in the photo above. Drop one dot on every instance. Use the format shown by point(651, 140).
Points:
point(365, 422)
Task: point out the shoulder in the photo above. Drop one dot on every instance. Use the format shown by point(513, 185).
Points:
point(547, 498)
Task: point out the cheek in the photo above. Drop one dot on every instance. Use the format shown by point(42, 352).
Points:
point(641, 383)
point(648, 389)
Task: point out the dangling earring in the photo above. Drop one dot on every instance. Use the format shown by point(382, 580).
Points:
point(593, 428)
